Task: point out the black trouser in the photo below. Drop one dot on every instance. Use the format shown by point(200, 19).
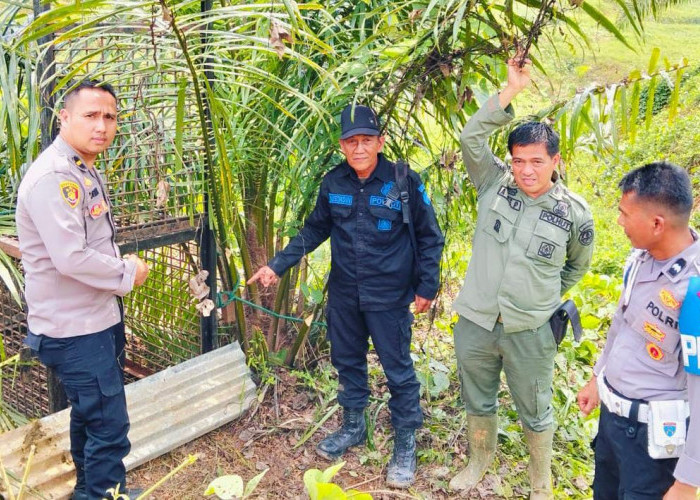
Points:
point(623, 467)
point(88, 367)
point(348, 331)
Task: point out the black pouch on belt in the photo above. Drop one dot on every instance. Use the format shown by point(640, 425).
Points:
point(565, 313)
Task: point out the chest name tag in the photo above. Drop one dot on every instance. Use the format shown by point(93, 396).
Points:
point(689, 325)
point(340, 199)
point(555, 220)
point(380, 201)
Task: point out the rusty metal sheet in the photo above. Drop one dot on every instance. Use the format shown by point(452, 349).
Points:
point(167, 409)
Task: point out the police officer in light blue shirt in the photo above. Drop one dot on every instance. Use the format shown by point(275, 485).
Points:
point(73, 278)
point(376, 272)
point(647, 377)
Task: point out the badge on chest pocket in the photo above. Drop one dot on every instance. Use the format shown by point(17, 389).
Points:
point(98, 209)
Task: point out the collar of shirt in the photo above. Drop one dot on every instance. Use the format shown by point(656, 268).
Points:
point(384, 170)
point(65, 149)
point(675, 267)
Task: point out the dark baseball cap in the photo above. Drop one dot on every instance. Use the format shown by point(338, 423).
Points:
point(365, 121)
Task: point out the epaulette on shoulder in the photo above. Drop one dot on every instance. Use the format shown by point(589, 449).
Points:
point(577, 199)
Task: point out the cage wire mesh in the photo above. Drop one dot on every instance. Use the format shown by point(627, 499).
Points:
point(155, 177)
point(25, 390)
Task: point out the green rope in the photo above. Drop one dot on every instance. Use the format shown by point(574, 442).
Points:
point(226, 297)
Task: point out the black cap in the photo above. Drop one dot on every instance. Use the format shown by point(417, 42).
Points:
point(365, 121)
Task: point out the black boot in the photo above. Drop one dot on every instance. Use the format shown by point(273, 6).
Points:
point(402, 467)
point(352, 433)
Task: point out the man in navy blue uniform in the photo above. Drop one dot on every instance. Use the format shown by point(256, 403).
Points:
point(374, 278)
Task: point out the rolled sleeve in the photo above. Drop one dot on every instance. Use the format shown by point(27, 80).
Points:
point(128, 278)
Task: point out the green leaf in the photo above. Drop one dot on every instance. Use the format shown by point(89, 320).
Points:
point(654, 60)
point(358, 495)
point(253, 483)
point(330, 491)
point(331, 471)
point(226, 487)
point(311, 479)
point(441, 383)
point(589, 321)
point(605, 23)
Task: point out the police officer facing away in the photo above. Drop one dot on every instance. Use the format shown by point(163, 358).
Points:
point(73, 276)
point(533, 241)
point(648, 377)
point(373, 279)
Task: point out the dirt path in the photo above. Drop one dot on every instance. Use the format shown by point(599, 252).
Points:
point(265, 438)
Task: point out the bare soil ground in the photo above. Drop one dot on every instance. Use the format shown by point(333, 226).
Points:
point(265, 438)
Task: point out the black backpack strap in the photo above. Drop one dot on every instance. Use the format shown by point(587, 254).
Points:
point(399, 191)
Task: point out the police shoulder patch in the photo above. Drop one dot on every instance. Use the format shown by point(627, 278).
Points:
point(70, 192)
point(585, 234)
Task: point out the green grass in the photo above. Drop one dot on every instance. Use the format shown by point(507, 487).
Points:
point(572, 66)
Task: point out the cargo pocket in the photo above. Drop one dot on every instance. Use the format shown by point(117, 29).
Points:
point(112, 400)
point(110, 382)
point(500, 219)
point(548, 244)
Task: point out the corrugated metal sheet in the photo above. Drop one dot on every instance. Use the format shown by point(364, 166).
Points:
point(166, 410)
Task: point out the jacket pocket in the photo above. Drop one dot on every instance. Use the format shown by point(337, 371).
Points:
point(548, 244)
point(500, 219)
point(387, 224)
point(340, 212)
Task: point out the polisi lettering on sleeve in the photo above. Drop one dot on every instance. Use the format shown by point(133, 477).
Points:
point(689, 323)
point(340, 199)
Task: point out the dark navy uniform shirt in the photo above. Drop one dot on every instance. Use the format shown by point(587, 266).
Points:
point(372, 259)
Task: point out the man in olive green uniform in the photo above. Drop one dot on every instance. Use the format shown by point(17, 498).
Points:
point(533, 241)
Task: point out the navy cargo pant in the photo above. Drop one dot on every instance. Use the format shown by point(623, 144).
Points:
point(349, 330)
point(90, 369)
point(623, 468)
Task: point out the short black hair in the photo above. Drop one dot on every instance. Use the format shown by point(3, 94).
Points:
point(661, 182)
point(88, 84)
point(534, 133)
